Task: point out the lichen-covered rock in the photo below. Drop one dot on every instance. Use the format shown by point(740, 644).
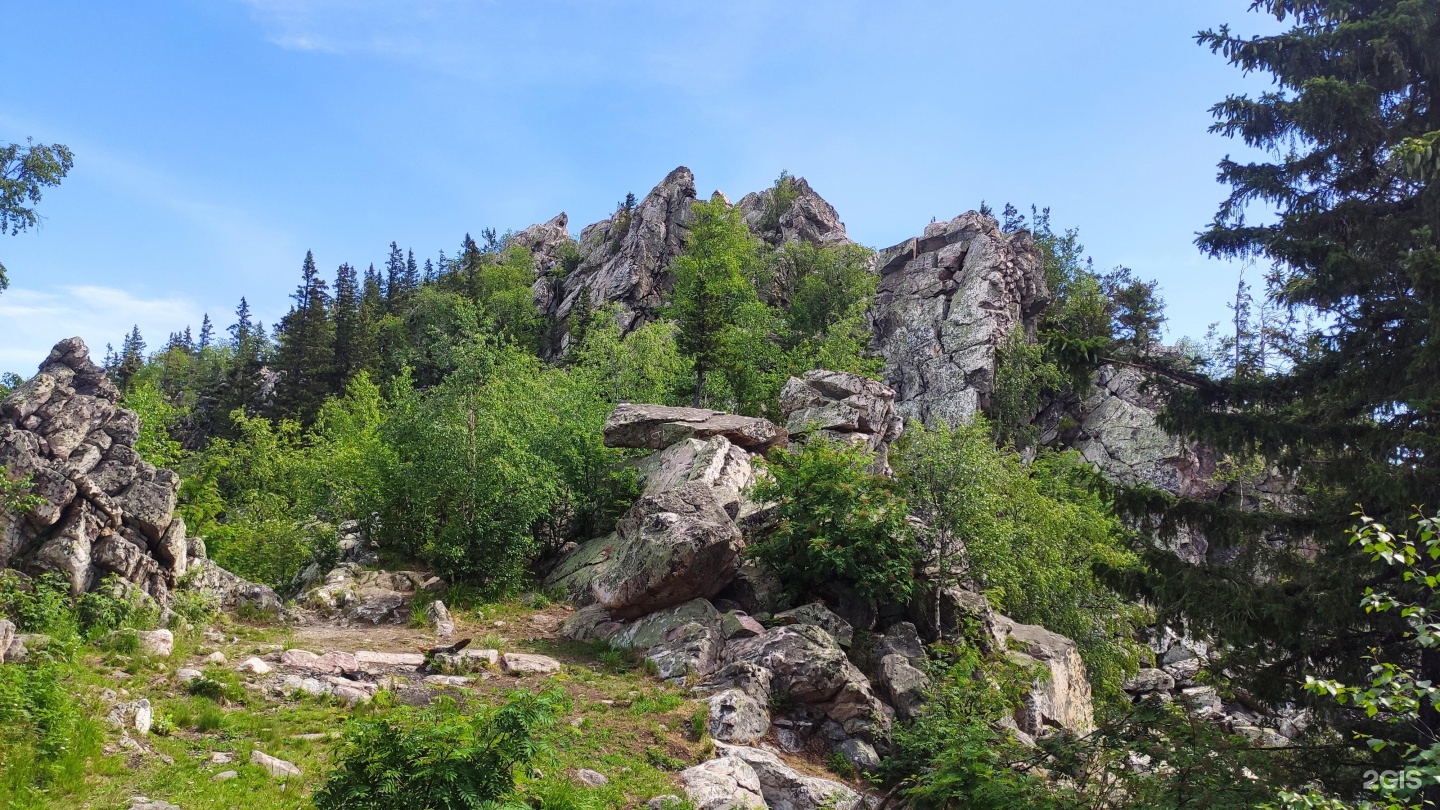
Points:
point(726, 783)
point(736, 717)
point(716, 462)
point(656, 427)
point(624, 260)
point(820, 616)
point(784, 788)
point(679, 641)
point(670, 548)
point(1063, 699)
point(103, 510)
point(843, 406)
point(808, 218)
point(947, 301)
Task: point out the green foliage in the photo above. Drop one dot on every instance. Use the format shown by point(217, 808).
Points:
point(1022, 375)
point(1396, 695)
point(643, 366)
point(437, 757)
point(157, 418)
point(16, 496)
point(115, 605)
point(1040, 540)
point(502, 459)
point(47, 733)
point(778, 201)
point(712, 285)
point(25, 171)
point(836, 522)
point(955, 754)
point(39, 605)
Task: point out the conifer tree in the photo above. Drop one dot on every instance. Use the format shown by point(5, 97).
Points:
point(712, 284)
point(347, 325)
point(306, 354)
point(412, 273)
point(132, 358)
point(394, 278)
point(1354, 418)
point(207, 333)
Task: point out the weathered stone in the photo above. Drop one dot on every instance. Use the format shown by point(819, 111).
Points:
point(808, 218)
point(1150, 680)
point(225, 776)
point(590, 778)
point(7, 635)
point(278, 768)
point(528, 664)
point(185, 675)
point(946, 303)
point(756, 589)
point(843, 406)
point(150, 506)
point(672, 547)
point(145, 803)
point(656, 427)
point(736, 717)
point(590, 623)
point(784, 788)
point(1063, 699)
point(726, 783)
point(156, 643)
point(738, 624)
point(623, 260)
point(440, 620)
point(820, 616)
point(860, 754)
point(714, 461)
point(902, 684)
point(253, 666)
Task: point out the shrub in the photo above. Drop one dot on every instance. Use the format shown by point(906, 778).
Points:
point(1041, 540)
point(437, 757)
point(836, 522)
point(114, 605)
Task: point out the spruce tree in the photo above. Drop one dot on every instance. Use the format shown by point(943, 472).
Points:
point(1352, 416)
point(394, 278)
point(207, 333)
point(132, 358)
point(347, 325)
point(306, 354)
point(712, 284)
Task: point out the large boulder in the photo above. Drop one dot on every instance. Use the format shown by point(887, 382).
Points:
point(726, 783)
point(947, 302)
point(679, 641)
point(656, 427)
point(843, 406)
point(716, 462)
point(670, 548)
point(103, 511)
point(804, 664)
point(1062, 699)
point(785, 788)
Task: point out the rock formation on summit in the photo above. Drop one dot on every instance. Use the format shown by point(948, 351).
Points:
point(947, 302)
point(103, 510)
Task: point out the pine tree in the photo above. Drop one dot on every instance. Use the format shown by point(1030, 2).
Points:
point(306, 354)
point(412, 273)
point(207, 333)
point(132, 358)
point(241, 330)
point(347, 325)
point(1353, 415)
point(712, 283)
point(431, 275)
point(394, 278)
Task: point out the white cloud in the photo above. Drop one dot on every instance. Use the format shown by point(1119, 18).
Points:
point(36, 319)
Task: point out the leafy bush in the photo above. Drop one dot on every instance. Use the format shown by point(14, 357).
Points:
point(495, 464)
point(437, 757)
point(1040, 540)
point(114, 605)
point(39, 605)
point(836, 522)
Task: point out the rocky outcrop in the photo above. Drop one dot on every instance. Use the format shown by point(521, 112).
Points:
point(624, 260)
point(1061, 700)
point(807, 217)
point(656, 427)
point(947, 302)
point(103, 510)
point(843, 406)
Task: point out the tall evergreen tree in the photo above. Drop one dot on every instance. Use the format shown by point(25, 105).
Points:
point(132, 358)
point(207, 333)
point(712, 283)
point(394, 278)
point(412, 272)
point(347, 325)
point(1350, 131)
point(306, 353)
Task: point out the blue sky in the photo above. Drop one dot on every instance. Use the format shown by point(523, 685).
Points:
point(217, 140)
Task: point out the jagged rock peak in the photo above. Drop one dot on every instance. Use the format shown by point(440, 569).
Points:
point(947, 301)
point(545, 240)
point(807, 218)
point(623, 259)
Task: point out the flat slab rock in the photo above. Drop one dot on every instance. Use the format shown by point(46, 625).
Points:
point(655, 427)
point(528, 664)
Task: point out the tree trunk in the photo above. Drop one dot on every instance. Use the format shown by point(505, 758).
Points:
point(699, 386)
